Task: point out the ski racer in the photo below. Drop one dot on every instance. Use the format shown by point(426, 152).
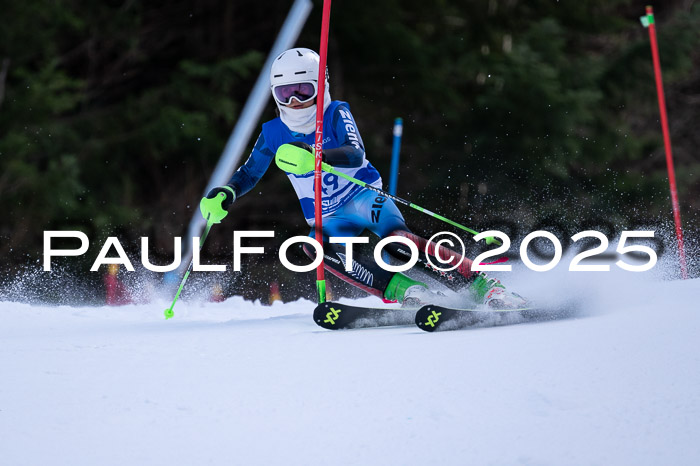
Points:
point(347, 208)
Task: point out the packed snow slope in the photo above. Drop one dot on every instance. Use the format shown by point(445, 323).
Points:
point(240, 383)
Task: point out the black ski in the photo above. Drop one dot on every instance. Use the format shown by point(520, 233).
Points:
point(432, 318)
point(335, 316)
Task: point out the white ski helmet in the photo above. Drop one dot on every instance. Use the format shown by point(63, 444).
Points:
point(295, 66)
point(294, 74)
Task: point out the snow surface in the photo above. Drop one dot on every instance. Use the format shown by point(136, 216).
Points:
point(241, 383)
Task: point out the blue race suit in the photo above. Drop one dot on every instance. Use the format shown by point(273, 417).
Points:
point(347, 208)
point(340, 130)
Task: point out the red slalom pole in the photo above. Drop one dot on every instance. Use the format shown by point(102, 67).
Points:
point(321, 89)
point(648, 22)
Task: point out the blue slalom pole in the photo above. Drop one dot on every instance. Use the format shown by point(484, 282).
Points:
point(395, 151)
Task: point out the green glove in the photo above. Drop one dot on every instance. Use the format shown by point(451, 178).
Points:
point(214, 206)
point(296, 157)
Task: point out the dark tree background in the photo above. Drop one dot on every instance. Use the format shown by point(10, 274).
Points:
point(114, 113)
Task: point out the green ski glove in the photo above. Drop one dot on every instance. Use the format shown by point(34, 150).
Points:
point(296, 157)
point(214, 206)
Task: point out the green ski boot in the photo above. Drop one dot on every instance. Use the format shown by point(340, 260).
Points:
point(493, 293)
point(410, 293)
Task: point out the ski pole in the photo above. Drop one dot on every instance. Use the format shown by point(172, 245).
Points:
point(300, 166)
point(169, 311)
point(330, 169)
point(213, 212)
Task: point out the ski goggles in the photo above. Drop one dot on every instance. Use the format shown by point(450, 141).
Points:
point(303, 92)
